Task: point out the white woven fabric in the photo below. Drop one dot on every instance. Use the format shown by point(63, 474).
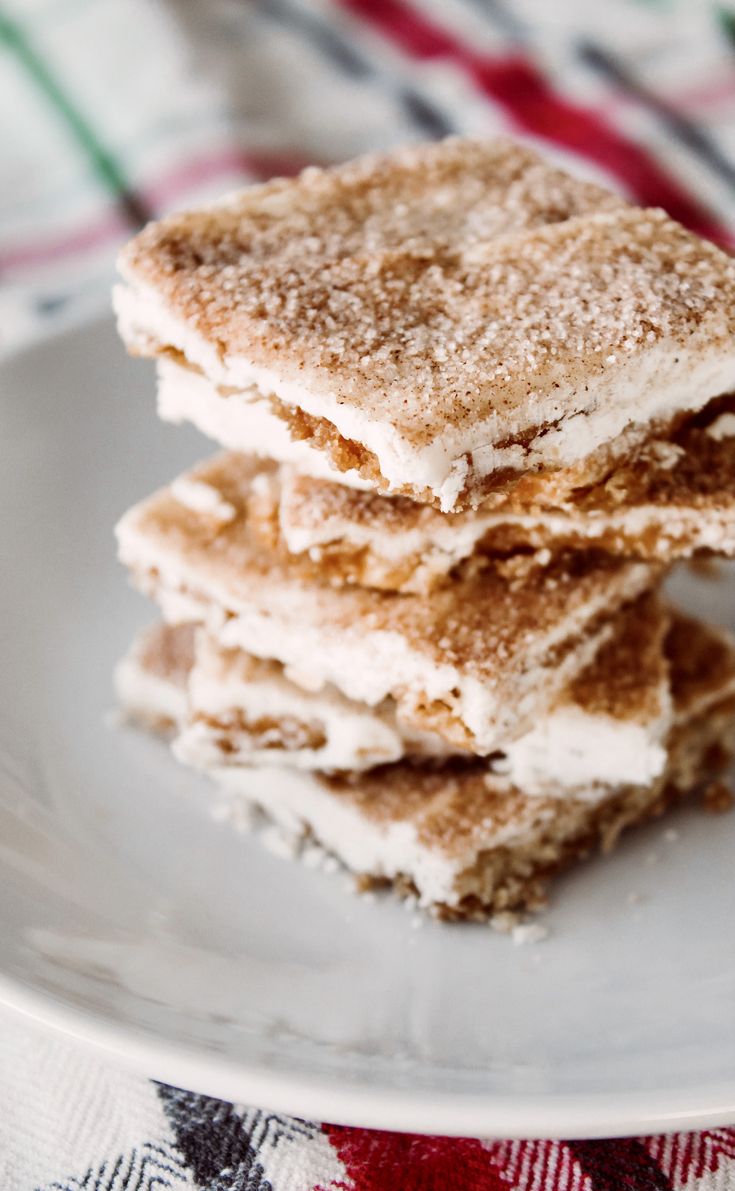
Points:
point(114, 110)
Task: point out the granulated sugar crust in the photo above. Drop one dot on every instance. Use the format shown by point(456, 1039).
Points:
point(401, 281)
point(462, 291)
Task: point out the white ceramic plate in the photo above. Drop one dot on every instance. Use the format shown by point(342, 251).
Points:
point(130, 920)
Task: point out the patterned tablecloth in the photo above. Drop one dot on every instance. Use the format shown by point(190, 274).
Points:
point(112, 111)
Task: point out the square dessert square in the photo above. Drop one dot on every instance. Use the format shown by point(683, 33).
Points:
point(609, 727)
point(465, 841)
point(450, 321)
point(476, 662)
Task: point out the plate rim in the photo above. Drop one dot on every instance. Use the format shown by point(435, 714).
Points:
point(511, 1115)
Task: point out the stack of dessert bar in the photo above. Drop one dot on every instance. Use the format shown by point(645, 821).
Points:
point(473, 411)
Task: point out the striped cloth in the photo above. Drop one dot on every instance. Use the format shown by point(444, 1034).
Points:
point(70, 1122)
point(117, 110)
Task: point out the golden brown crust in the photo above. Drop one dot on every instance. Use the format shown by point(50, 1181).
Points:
point(627, 676)
point(322, 263)
point(702, 664)
point(675, 496)
point(440, 288)
point(378, 308)
point(451, 801)
point(546, 835)
point(517, 489)
point(718, 798)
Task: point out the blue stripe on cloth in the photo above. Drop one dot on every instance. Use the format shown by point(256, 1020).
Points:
point(681, 127)
point(344, 54)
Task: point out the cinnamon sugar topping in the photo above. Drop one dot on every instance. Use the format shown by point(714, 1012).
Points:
point(441, 301)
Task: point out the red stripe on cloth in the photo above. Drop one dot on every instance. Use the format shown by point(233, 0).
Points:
point(104, 230)
point(623, 1165)
point(539, 1165)
point(236, 164)
point(400, 1162)
point(706, 95)
point(687, 1156)
point(516, 84)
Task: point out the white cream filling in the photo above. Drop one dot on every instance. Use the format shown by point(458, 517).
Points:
point(722, 427)
point(365, 666)
point(715, 532)
point(573, 751)
point(392, 547)
point(299, 801)
point(642, 395)
point(244, 422)
point(356, 737)
point(654, 384)
point(147, 695)
point(568, 750)
point(455, 537)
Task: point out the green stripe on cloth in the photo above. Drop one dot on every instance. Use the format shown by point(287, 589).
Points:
point(726, 19)
point(105, 166)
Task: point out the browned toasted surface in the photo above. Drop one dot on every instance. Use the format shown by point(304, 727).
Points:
point(515, 878)
point(439, 285)
point(310, 503)
point(458, 808)
point(694, 469)
point(702, 664)
point(454, 803)
point(509, 841)
point(450, 803)
point(651, 644)
point(674, 498)
point(630, 674)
